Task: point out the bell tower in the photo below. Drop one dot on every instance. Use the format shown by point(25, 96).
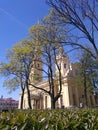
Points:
point(36, 68)
point(63, 62)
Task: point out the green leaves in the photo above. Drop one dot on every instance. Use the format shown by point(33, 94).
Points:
point(81, 119)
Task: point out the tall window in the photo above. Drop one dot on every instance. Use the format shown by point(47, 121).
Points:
point(38, 65)
point(61, 100)
point(64, 65)
point(74, 99)
point(24, 104)
point(45, 102)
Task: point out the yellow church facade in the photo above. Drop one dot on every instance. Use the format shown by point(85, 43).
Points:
point(71, 94)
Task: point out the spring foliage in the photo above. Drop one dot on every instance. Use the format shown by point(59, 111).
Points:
point(80, 119)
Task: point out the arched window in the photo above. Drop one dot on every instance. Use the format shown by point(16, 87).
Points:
point(64, 65)
point(38, 65)
point(45, 102)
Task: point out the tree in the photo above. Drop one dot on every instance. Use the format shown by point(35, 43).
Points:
point(45, 35)
point(18, 67)
point(88, 74)
point(82, 18)
point(13, 76)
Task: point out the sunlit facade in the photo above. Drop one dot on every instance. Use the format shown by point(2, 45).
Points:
point(8, 104)
point(71, 95)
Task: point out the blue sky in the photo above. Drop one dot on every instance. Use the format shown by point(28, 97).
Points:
point(16, 17)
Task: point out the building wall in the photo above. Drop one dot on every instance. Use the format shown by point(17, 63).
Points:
point(8, 103)
point(71, 95)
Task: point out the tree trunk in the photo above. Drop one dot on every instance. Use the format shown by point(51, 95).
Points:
point(52, 103)
point(22, 96)
point(28, 93)
point(22, 89)
point(85, 92)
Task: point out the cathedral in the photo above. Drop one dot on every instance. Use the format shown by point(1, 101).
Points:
point(72, 95)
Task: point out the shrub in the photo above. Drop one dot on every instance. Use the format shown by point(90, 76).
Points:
point(81, 119)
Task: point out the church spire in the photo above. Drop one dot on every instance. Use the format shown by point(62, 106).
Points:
point(62, 61)
point(61, 51)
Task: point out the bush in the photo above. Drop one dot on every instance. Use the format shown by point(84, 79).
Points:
point(81, 119)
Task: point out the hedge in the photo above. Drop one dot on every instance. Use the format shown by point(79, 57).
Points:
point(81, 119)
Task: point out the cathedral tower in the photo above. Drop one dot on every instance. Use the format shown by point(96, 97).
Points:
point(63, 62)
point(36, 68)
